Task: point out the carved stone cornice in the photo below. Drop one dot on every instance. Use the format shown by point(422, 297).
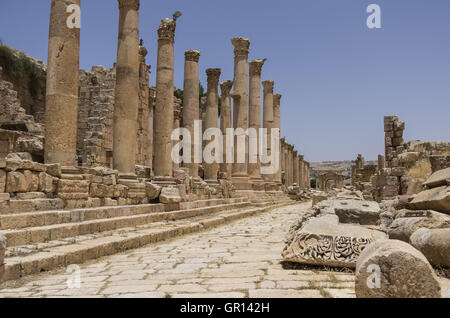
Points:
point(226, 87)
point(213, 75)
point(129, 4)
point(166, 30)
point(256, 67)
point(241, 46)
point(192, 55)
point(268, 87)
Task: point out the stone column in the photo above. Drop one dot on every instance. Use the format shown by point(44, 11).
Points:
point(240, 177)
point(151, 116)
point(191, 102)
point(295, 167)
point(301, 171)
point(225, 122)
point(212, 117)
point(268, 121)
point(381, 162)
point(164, 109)
point(127, 89)
point(277, 124)
point(254, 169)
point(177, 117)
point(61, 100)
point(282, 159)
point(291, 165)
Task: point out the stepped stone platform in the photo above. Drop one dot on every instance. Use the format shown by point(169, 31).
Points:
point(40, 241)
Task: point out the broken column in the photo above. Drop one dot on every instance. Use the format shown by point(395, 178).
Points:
point(61, 98)
point(191, 110)
point(212, 117)
point(225, 122)
point(127, 89)
point(381, 162)
point(254, 166)
point(240, 176)
point(164, 109)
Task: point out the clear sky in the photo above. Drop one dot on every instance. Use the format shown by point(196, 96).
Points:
point(338, 78)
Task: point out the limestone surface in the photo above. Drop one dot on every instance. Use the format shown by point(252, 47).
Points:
point(434, 244)
point(395, 269)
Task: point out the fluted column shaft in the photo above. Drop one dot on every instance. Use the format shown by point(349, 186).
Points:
point(225, 122)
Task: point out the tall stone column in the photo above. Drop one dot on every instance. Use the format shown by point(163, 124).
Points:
point(164, 109)
point(282, 159)
point(240, 178)
point(301, 171)
point(254, 169)
point(295, 167)
point(268, 122)
point(225, 122)
point(277, 124)
point(127, 89)
point(61, 99)
point(381, 162)
point(212, 117)
point(191, 102)
point(291, 170)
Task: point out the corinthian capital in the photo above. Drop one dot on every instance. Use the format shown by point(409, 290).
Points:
point(129, 4)
point(268, 87)
point(226, 88)
point(277, 99)
point(241, 46)
point(167, 29)
point(256, 66)
point(192, 56)
point(213, 75)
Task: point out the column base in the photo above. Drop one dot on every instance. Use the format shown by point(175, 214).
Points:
point(241, 182)
point(164, 182)
point(136, 190)
point(258, 183)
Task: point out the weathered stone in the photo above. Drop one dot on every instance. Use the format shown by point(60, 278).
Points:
point(404, 272)
point(170, 195)
point(152, 190)
point(317, 198)
point(402, 228)
point(437, 199)
point(2, 255)
point(54, 170)
point(45, 183)
point(2, 180)
point(437, 179)
point(323, 241)
point(434, 244)
point(360, 212)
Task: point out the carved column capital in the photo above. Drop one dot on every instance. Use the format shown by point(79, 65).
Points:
point(301, 158)
point(143, 51)
point(236, 97)
point(268, 86)
point(277, 99)
point(241, 46)
point(166, 30)
point(213, 75)
point(256, 67)
point(192, 55)
point(131, 4)
point(226, 88)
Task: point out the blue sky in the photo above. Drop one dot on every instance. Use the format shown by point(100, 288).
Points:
point(338, 78)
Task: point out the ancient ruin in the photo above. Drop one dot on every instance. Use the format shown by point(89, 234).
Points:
point(89, 170)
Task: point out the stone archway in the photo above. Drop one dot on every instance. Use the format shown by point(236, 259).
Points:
point(330, 179)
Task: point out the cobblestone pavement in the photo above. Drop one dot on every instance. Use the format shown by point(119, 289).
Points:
point(241, 259)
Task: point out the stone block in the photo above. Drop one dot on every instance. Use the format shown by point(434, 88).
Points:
point(434, 244)
point(437, 199)
point(170, 195)
point(16, 182)
point(358, 212)
point(438, 179)
point(54, 170)
point(152, 190)
point(2, 180)
point(46, 182)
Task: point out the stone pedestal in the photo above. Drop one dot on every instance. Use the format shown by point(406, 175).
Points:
point(240, 177)
point(212, 118)
point(164, 109)
point(254, 166)
point(61, 98)
point(225, 122)
point(191, 103)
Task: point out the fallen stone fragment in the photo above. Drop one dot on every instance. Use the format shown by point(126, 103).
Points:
point(152, 190)
point(323, 241)
point(437, 199)
point(395, 269)
point(359, 212)
point(438, 179)
point(434, 244)
point(170, 195)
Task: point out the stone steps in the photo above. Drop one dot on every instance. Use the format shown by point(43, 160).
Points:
point(32, 259)
point(33, 205)
point(40, 234)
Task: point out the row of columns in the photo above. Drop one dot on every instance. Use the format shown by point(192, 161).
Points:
point(62, 96)
point(295, 170)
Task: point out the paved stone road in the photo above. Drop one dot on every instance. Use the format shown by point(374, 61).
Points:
point(241, 259)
